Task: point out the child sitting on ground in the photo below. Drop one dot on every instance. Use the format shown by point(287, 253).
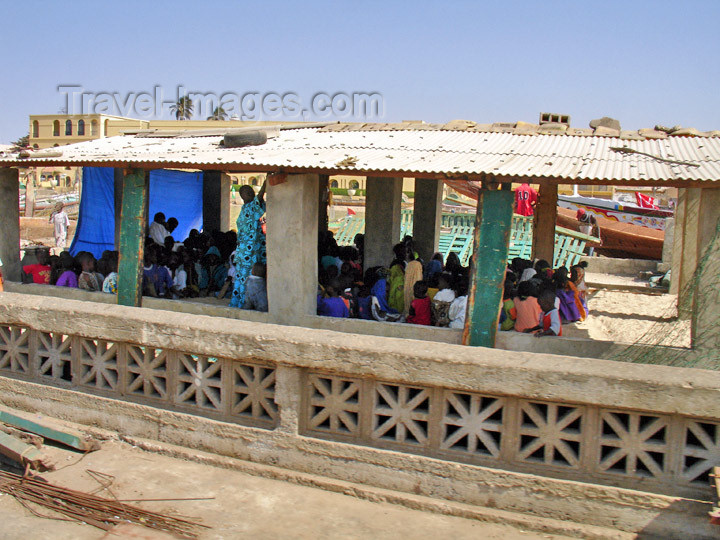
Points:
point(332, 305)
point(255, 289)
point(459, 305)
point(89, 280)
point(549, 323)
point(508, 314)
point(110, 283)
point(420, 306)
point(68, 277)
point(442, 301)
point(39, 272)
point(526, 307)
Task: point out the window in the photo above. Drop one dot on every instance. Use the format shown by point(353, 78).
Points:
point(56, 128)
point(36, 129)
point(68, 128)
point(254, 181)
point(354, 184)
point(94, 128)
point(334, 184)
point(81, 127)
point(107, 126)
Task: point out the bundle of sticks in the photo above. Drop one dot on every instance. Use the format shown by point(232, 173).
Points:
point(91, 509)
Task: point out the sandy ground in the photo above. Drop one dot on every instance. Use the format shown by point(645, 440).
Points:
point(38, 231)
point(241, 505)
point(626, 317)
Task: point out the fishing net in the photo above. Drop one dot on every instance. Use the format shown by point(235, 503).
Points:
point(696, 320)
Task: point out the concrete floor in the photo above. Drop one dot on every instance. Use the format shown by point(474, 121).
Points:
point(244, 506)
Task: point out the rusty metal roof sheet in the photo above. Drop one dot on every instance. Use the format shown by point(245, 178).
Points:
point(409, 152)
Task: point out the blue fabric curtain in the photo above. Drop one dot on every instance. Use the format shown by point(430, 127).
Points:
point(96, 219)
point(174, 193)
point(177, 194)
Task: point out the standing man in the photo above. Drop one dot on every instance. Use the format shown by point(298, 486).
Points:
point(60, 221)
point(525, 200)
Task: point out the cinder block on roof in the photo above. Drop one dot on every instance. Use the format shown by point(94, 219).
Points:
point(552, 128)
point(459, 125)
point(554, 118)
point(686, 132)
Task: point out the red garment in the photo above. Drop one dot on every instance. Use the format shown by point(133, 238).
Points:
point(551, 321)
point(525, 200)
point(420, 311)
point(39, 272)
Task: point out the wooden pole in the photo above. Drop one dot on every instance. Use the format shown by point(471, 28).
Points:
point(493, 223)
point(133, 225)
point(544, 223)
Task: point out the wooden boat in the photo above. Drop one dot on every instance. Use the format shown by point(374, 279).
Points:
point(623, 240)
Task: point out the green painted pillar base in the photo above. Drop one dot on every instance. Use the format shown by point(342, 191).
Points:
point(492, 235)
point(133, 226)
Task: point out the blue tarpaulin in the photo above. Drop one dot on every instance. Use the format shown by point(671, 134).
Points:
point(177, 194)
point(96, 219)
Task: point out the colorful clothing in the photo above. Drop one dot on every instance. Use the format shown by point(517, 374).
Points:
point(528, 311)
point(67, 279)
point(250, 247)
point(508, 309)
point(159, 277)
point(550, 321)
point(110, 283)
point(39, 272)
point(396, 294)
point(420, 311)
point(90, 281)
point(525, 200)
point(571, 304)
point(332, 307)
point(413, 274)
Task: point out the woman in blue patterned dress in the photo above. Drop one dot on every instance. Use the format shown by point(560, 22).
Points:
point(250, 241)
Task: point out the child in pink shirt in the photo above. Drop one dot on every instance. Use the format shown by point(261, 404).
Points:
point(527, 307)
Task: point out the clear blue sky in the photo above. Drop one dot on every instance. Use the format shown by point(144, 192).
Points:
point(643, 62)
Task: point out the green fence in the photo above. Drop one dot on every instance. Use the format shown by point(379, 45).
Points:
point(457, 236)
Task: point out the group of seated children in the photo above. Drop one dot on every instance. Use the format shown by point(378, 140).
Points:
point(198, 267)
point(407, 290)
point(80, 272)
point(536, 298)
point(539, 300)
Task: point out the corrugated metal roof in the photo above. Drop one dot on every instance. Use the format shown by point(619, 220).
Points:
point(413, 152)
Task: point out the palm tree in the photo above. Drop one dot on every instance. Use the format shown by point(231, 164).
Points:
point(183, 108)
point(218, 114)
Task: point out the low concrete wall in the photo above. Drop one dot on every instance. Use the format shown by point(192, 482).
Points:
point(619, 267)
point(510, 341)
point(535, 433)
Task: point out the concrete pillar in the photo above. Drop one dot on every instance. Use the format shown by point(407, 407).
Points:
point(216, 201)
point(667, 252)
point(687, 244)
point(544, 223)
point(427, 216)
point(10, 223)
point(119, 175)
point(292, 233)
point(323, 199)
point(383, 200)
point(705, 317)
